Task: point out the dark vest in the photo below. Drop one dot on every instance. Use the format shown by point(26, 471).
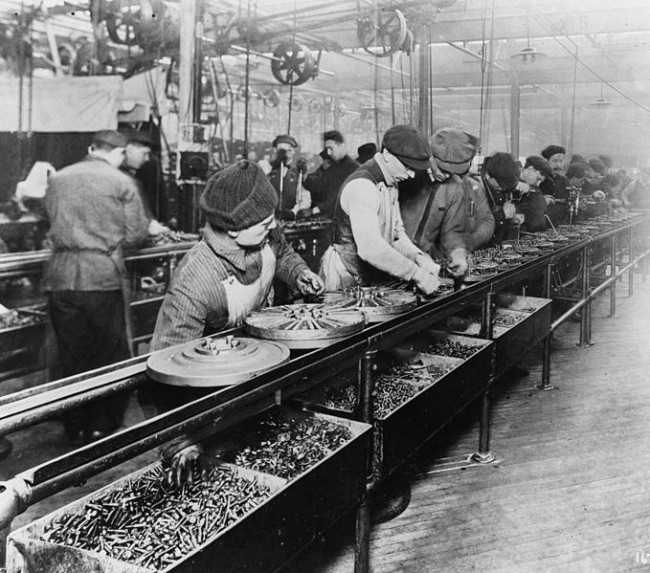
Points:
point(342, 237)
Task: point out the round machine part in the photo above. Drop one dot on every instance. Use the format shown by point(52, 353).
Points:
point(215, 361)
point(376, 302)
point(303, 326)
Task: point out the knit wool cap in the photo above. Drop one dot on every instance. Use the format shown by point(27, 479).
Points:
point(408, 145)
point(552, 150)
point(503, 168)
point(109, 138)
point(238, 197)
point(453, 149)
point(540, 164)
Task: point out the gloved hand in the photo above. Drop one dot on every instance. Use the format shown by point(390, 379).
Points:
point(522, 187)
point(509, 210)
point(425, 281)
point(286, 214)
point(184, 464)
point(303, 214)
point(426, 263)
point(301, 164)
point(550, 200)
point(309, 283)
point(157, 228)
point(457, 264)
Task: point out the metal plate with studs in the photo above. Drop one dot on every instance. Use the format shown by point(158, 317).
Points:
point(376, 302)
point(211, 362)
point(303, 326)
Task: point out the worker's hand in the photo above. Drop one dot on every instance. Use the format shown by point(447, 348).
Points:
point(509, 210)
point(519, 218)
point(598, 195)
point(457, 264)
point(185, 464)
point(301, 164)
point(426, 263)
point(522, 187)
point(157, 228)
point(309, 283)
point(435, 173)
point(303, 214)
point(428, 283)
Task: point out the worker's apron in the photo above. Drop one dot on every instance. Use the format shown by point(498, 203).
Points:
point(244, 299)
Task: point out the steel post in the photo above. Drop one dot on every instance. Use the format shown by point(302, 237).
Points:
point(630, 275)
point(365, 408)
point(586, 309)
point(614, 269)
point(546, 364)
point(484, 455)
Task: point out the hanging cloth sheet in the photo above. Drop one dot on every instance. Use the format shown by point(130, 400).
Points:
point(68, 104)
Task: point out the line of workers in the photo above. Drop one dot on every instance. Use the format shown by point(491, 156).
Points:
point(412, 206)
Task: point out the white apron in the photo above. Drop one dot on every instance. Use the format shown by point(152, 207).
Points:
point(244, 299)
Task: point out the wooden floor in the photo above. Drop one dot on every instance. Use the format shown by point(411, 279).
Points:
point(570, 491)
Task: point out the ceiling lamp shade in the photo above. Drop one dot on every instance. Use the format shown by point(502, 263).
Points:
point(528, 55)
point(602, 101)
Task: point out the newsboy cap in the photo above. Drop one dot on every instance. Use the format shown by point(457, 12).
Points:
point(109, 138)
point(285, 138)
point(409, 146)
point(453, 149)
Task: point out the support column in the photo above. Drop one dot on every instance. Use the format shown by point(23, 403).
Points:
point(613, 267)
point(424, 86)
point(515, 108)
point(484, 456)
point(546, 350)
point(585, 334)
point(365, 409)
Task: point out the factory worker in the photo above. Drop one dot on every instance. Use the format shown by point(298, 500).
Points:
point(229, 274)
point(369, 243)
point(223, 278)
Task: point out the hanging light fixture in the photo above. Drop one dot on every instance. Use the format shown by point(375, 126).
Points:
point(528, 55)
point(601, 101)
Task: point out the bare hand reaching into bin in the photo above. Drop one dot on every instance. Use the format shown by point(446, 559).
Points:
point(184, 464)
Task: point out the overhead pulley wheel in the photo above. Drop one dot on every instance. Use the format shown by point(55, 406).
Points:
point(215, 361)
point(305, 325)
point(376, 302)
point(122, 20)
point(386, 32)
point(293, 64)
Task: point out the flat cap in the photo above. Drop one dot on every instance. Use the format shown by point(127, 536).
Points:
point(453, 149)
point(409, 146)
point(109, 138)
point(285, 138)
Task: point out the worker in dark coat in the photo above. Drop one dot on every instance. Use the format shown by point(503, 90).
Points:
point(325, 183)
point(95, 212)
point(434, 208)
point(286, 177)
point(531, 206)
point(556, 187)
point(223, 278)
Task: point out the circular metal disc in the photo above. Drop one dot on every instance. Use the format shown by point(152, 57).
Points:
point(305, 325)
point(215, 361)
point(376, 302)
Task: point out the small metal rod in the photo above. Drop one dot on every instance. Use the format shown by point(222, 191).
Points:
point(487, 315)
point(546, 364)
point(612, 288)
point(548, 279)
point(584, 325)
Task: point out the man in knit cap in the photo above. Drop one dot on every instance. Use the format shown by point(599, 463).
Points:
point(223, 278)
point(229, 274)
point(369, 243)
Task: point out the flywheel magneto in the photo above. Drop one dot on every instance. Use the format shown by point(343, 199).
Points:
point(305, 325)
point(376, 302)
point(215, 361)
